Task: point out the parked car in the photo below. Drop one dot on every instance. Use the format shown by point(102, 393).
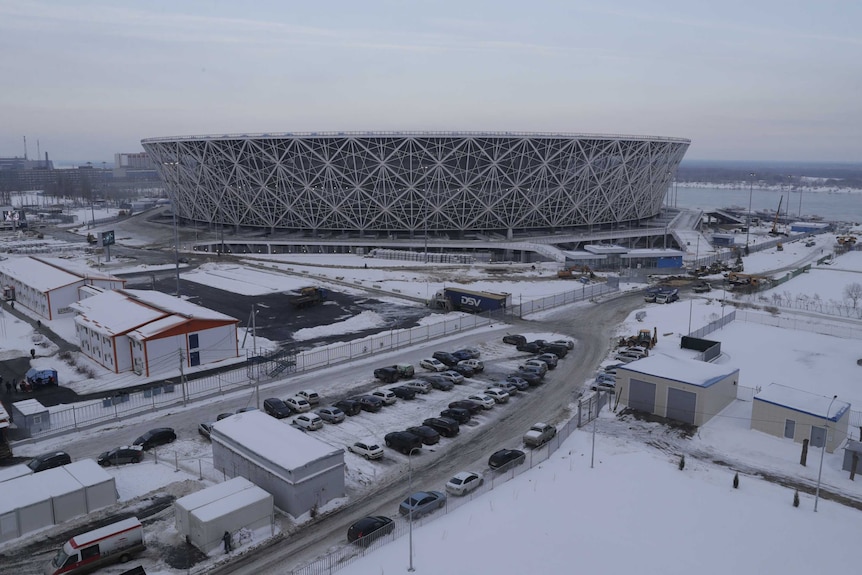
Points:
point(550, 360)
point(418, 386)
point(428, 435)
point(422, 503)
point(276, 407)
point(486, 401)
point(453, 376)
point(369, 403)
point(439, 382)
point(530, 375)
point(444, 426)
point(472, 351)
point(49, 461)
point(519, 381)
point(474, 364)
point(349, 407)
point(529, 347)
point(298, 404)
point(246, 409)
point(557, 349)
point(570, 344)
point(404, 369)
point(331, 414)
point(459, 414)
point(506, 459)
point(403, 392)
point(463, 483)
point(506, 386)
point(387, 374)
point(432, 364)
point(497, 394)
point(472, 406)
point(403, 441)
point(367, 448)
point(310, 396)
point(464, 370)
point(603, 385)
point(514, 339)
point(221, 416)
point(612, 368)
point(541, 366)
point(461, 354)
point(205, 429)
point(385, 395)
point(539, 434)
point(627, 356)
point(445, 357)
point(366, 530)
point(121, 455)
point(308, 421)
point(155, 437)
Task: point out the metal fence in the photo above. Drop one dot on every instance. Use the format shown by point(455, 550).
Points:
point(544, 303)
point(805, 303)
point(812, 325)
point(714, 325)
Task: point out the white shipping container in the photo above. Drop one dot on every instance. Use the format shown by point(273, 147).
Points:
point(250, 509)
point(185, 505)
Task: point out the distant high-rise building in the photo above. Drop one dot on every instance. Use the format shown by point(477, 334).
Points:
point(134, 166)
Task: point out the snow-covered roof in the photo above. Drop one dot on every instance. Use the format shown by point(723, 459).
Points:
point(811, 225)
point(680, 369)
point(605, 249)
point(46, 274)
point(113, 313)
point(176, 305)
point(803, 401)
point(29, 407)
point(14, 471)
point(660, 253)
point(76, 268)
point(87, 472)
point(213, 493)
point(273, 439)
point(231, 503)
point(156, 327)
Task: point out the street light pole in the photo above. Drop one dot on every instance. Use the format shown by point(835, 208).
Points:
point(822, 451)
point(748, 225)
point(410, 513)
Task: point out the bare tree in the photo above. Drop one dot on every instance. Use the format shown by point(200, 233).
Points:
point(853, 292)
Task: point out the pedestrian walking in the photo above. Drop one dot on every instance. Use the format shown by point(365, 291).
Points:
point(226, 539)
point(14, 384)
point(8, 388)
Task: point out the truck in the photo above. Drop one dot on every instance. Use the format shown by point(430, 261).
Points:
point(308, 296)
point(87, 552)
point(667, 296)
point(701, 287)
point(539, 434)
point(650, 294)
point(457, 299)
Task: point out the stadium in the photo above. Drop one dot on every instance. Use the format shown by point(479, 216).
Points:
point(403, 185)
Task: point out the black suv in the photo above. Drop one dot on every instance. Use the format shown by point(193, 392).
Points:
point(154, 437)
point(119, 455)
point(557, 349)
point(369, 403)
point(348, 406)
point(276, 407)
point(403, 441)
point(530, 347)
point(49, 461)
point(514, 339)
point(386, 374)
point(459, 414)
point(428, 435)
point(439, 382)
point(402, 392)
point(445, 357)
point(473, 407)
point(443, 425)
point(368, 529)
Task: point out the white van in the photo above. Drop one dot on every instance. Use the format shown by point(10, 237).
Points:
point(87, 552)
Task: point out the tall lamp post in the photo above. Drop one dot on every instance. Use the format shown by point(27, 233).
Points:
point(410, 514)
point(750, 193)
point(825, 441)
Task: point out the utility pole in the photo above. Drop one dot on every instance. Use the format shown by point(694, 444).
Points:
point(182, 375)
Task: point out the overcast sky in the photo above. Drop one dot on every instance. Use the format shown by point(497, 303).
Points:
point(750, 80)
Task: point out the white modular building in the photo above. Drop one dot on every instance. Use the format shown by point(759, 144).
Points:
point(49, 286)
point(300, 471)
point(681, 389)
point(149, 332)
point(784, 411)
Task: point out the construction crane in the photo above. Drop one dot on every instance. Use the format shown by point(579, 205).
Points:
point(774, 231)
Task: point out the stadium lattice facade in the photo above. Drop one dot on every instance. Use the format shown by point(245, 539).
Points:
point(414, 183)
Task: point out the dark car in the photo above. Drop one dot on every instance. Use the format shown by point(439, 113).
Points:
point(514, 339)
point(531, 377)
point(205, 429)
point(472, 406)
point(403, 441)
point(550, 360)
point(276, 407)
point(446, 357)
point(49, 461)
point(428, 435)
point(368, 529)
point(155, 437)
point(221, 416)
point(459, 414)
point(443, 425)
point(348, 406)
point(440, 382)
point(386, 374)
point(557, 349)
point(506, 459)
point(515, 379)
point(121, 455)
point(369, 403)
point(464, 370)
point(402, 392)
point(462, 354)
point(529, 347)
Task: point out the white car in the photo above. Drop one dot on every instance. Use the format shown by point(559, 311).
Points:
point(369, 449)
point(566, 342)
point(453, 376)
point(387, 396)
point(473, 364)
point(432, 364)
point(464, 482)
point(298, 404)
point(309, 421)
point(497, 394)
point(486, 401)
point(310, 396)
point(538, 364)
point(418, 386)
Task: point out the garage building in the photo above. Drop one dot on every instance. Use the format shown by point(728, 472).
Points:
point(300, 472)
point(784, 411)
point(681, 389)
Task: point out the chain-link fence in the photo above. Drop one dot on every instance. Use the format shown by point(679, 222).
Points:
point(714, 325)
point(812, 325)
point(586, 292)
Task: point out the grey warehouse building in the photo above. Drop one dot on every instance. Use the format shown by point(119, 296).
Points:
point(300, 472)
point(400, 185)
